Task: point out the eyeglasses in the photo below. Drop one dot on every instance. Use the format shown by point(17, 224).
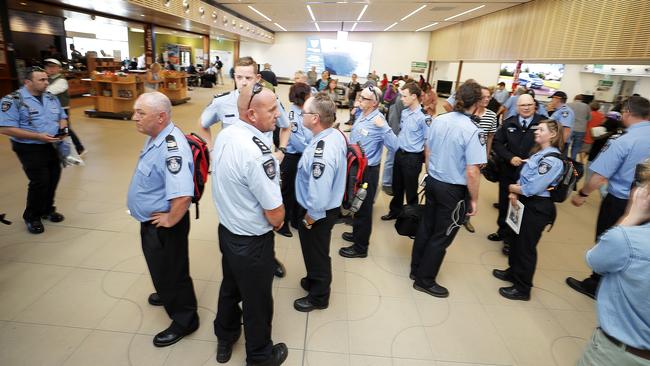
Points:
point(526, 105)
point(373, 90)
point(257, 88)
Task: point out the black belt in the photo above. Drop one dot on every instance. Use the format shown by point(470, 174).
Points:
point(643, 353)
point(408, 152)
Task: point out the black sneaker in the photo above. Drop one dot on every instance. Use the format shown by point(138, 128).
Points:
point(35, 226)
point(580, 287)
point(53, 217)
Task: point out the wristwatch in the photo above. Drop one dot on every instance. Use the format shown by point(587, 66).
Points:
point(283, 149)
point(307, 225)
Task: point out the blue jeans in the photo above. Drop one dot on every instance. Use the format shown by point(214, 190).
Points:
point(577, 139)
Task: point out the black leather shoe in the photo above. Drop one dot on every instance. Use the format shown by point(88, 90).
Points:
point(506, 249)
point(305, 305)
point(304, 283)
point(351, 252)
point(35, 226)
point(54, 217)
point(224, 350)
point(279, 354)
point(469, 227)
point(347, 236)
point(280, 271)
point(580, 287)
point(168, 336)
point(511, 293)
point(434, 290)
point(412, 277)
point(494, 237)
point(502, 275)
point(285, 231)
point(495, 205)
point(154, 299)
point(388, 190)
point(389, 216)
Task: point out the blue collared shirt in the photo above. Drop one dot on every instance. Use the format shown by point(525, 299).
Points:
point(540, 172)
point(300, 136)
point(622, 256)
point(541, 110)
point(414, 126)
point(454, 143)
point(372, 138)
point(501, 95)
point(322, 170)
point(618, 159)
point(511, 106)
point(245, 180)
point(32, 115)
point(564, 115)
point(165, 171)
point(224, 108)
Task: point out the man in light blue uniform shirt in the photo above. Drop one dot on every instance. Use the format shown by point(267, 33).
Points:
point(320, 184)
point(509, 108)
point(32, 117)
point(562, 114)
point(615, 165)
point(224, 108)
point(455, 148)
point(159, 196)
point(371, 132)
point(414, 126)
point(246, 192)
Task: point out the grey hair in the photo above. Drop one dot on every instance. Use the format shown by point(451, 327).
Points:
point(326, 109)
point(158, 102)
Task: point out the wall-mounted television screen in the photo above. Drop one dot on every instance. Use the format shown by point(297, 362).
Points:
point(339, 57)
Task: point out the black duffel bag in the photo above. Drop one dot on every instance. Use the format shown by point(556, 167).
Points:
point(409, 219)
point(491, 170)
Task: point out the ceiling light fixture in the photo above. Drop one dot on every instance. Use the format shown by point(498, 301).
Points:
point(317, 27)
point(390, 26)
point(279, 26)
point(465, 12)
point(362, 12)
point(426, 26)
point(413, 12)
point(260, 13)
point(23, 4)
point(141, 15)
point(354, 26)
point(311, 13)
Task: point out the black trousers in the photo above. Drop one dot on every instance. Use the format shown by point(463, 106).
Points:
point(611, 210)
point(505, 180)
point(362, 223)
point(444, 212)
point(538, 212)
point(288, 171)
point(166, 253)
point(41, 165)
point(406, 171)
point(315, 245)
point(75, 139)
point(248, 265)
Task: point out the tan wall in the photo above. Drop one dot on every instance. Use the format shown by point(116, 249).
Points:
point(547, 30)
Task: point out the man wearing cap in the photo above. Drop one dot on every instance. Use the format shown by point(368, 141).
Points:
point(562, 114)
point(59, 87)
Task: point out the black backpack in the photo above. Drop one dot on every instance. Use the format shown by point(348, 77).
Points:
point(566, 182)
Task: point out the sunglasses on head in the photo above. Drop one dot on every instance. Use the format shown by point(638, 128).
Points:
point(257, 88)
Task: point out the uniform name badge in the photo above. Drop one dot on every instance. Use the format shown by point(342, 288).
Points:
point(363, 131)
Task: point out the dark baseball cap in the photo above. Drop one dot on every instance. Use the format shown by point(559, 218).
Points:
point(559, 94)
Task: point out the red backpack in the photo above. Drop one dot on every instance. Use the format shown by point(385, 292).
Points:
point(201, 157)
point(357, 163)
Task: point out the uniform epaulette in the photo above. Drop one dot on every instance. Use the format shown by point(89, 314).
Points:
point(221, 95)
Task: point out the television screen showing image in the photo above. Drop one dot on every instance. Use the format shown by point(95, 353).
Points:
point(339, 57)
point(545, 79)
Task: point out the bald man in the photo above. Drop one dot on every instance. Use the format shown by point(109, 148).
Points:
point(246, 191)
point(512, 144)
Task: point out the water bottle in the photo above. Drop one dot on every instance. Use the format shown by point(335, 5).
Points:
point(359, 197)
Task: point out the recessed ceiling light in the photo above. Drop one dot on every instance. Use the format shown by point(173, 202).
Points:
point(178, 23)
point(40, 11)
point(23, 3)
point(317, 27)
point(362, 12)
point(413, 12)
point(426, 26)
point(311, 13)
point(354, 26)
point(141, 15)
point(281, 27)
point(465, 12)
point(260, 13)
point(390, 26)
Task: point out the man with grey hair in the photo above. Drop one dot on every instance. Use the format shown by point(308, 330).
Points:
point(159, 196)
point(320, 184)
point(509, 108)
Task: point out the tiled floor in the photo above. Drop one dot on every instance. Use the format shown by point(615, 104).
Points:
point(76, 295)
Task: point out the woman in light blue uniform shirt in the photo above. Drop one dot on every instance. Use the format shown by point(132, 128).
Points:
point(541, 171)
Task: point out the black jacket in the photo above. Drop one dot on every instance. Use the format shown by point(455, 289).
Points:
point(511, 140)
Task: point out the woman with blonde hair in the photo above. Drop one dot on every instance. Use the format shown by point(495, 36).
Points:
point(152, 79)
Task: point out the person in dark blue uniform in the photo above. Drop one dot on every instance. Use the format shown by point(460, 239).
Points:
point(246, 191)
point(160, 194)
point(32, 118)
point(320, 184)
point(371, 132)
point(615, 165)
point(540, 172)
point(455, 148)
point(414, 126)
point(298, 140)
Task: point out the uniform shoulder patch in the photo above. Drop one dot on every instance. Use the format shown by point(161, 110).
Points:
point(6, 104)
point(269, 168)
point(320, 148)
point(174, 164)
point(482, 138)
point(428, 120)
point(291, 115)
point(171, 143)
point(565, 114)
point(294, 127)
point(261, 145)
point(317, 170)
point(543, 167)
